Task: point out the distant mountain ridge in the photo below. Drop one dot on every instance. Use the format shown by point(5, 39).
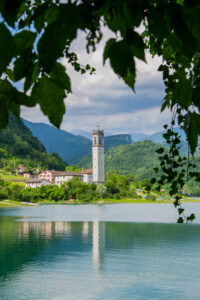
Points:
point(88, 134)
point(158, 136)
point(71, 147)
point(113, 141)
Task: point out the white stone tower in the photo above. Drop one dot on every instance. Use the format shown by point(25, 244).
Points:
point(98, 156)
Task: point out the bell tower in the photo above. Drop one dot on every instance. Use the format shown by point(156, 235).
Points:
point(98, 156)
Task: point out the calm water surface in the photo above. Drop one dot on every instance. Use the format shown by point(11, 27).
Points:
point(94, 252)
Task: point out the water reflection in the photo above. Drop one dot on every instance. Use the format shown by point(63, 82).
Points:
point(98, 243)
point(145, 254)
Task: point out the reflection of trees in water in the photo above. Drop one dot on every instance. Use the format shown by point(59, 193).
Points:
point(18, 246)
point(22, 243)
point(124, 235)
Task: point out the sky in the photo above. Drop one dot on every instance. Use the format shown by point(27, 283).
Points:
point(104, 99)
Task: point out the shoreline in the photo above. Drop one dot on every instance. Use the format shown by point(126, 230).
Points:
point(12, 203)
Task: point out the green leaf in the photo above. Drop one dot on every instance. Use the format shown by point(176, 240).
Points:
point(24, 40)
point(51, 14)
point(50, 97)
point(12, 95)
point(183, 93)
point(191, 217)
point(2, 6)
point(130, 79)
point(176, 202)
point(180, 220)
point(10, 100)
point(109, 43)
point(118, 58)
point(159, 150)
point(136, 44)
point(22, 65)
point(167, 53)
point(116, 23)
point(180, 211)
point(10, 9)
point(3, 111)
point(121, 61)
point(15, 109)
point(39, 16)
point(155, 170)
point(193, 130)
point(153, 180)
point(59, 76)
point(57, 34)
point(157, 23)
point(133, 13)
point(53, 35)
point(7, 47)
point(31, 76)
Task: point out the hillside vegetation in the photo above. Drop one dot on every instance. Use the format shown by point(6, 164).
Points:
point(18, 145)
point(138, 159)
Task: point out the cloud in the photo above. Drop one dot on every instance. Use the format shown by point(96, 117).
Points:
point(142, 121)
point(105, 99)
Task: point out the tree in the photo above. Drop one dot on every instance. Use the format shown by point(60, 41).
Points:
point(73, 168)
point(147, 186)
point(101, 191)
point(29, 28)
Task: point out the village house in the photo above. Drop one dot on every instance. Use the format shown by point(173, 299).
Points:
point(62, 177)
point(36, 182)
point(20, 169)
point(26, 174)
point(87, 175)
point(48, 175)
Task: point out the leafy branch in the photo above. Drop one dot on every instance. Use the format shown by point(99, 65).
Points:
point(175, 169)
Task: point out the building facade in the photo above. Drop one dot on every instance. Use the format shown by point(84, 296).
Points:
point(62, 177)
point(87, 175)
point(35, 183)
point(48, 175)
point(98, 156)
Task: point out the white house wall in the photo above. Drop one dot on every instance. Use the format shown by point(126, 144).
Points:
point(98, 164)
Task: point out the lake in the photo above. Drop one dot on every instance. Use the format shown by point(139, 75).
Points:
point(94, 252)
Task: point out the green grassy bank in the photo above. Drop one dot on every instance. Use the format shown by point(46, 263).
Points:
point(11, 203)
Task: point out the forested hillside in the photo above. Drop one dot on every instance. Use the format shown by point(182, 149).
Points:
point(113, 141)
point(138, 159)
point(159, 139)
point(17, 142)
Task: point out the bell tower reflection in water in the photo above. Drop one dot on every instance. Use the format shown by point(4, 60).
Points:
point(98, 243)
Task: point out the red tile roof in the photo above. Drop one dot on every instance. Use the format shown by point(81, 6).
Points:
point(88, 171)
point(50, 171)
point(67, 174)
point(36, 180)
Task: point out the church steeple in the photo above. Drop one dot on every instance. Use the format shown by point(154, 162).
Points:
point(98, 156)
